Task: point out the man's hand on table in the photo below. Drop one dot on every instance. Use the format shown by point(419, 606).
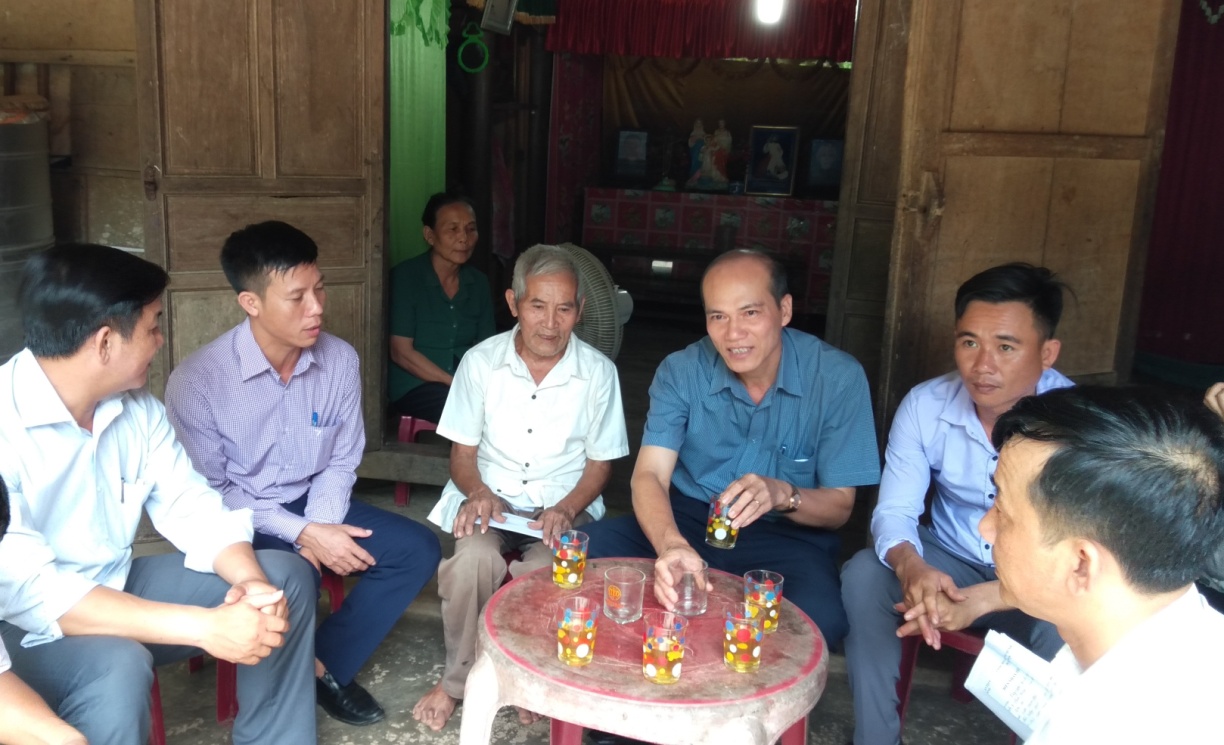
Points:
point(481, 504)
point(552, 522)
point(334, 547)
point(679, 555)
point(751, 496)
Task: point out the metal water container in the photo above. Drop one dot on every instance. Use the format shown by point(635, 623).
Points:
point(25, 217)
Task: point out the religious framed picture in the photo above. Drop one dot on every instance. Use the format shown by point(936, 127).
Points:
point(498, 15)
point(772, 157)
point(825, 166)
point(631, 154)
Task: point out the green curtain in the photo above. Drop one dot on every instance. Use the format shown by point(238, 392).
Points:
point(418, 119)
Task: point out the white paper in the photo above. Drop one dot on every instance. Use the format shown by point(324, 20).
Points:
point(1014, 683)
point(515, 524)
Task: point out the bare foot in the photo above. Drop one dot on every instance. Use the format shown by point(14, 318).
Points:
point(527, 717)
point(435, 708)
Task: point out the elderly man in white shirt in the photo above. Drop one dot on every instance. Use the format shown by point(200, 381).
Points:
point(1109, 507)
point(83, 452)
point(535, 417)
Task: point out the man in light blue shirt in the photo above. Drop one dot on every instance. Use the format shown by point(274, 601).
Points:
point(773, 423)
point(928, 579)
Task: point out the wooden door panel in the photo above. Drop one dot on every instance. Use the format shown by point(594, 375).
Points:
point(256, 110)
point(1110, 67)
point(1010, 82)
point(198, 317)
point(208, 116)
point(1044, 154)
point(859, 285)
point(1090, 227)
point(201, 223)
point(319, 112)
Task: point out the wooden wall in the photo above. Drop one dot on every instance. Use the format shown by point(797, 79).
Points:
point(81, 56)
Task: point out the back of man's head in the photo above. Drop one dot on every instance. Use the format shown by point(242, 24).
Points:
point(251, 255)
point(1035, 286)
point(1137, 470)
point(70, 291)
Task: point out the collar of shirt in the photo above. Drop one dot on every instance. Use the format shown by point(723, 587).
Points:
point(431, 278)
point(569, 366)
point(788, 380)
point(960, 411)
point(40, 404)
point(252, 361)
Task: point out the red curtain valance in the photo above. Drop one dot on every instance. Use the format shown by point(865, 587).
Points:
point(809, 29)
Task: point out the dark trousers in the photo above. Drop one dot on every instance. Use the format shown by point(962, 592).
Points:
point(406, 555)
point(806, 557)
point(426, 401)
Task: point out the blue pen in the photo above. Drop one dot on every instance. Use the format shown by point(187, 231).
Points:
point(314, 419)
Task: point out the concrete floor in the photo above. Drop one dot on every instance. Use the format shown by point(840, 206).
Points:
point(411, 659)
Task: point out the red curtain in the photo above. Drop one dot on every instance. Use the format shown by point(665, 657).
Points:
point(574, 144)
point(809, 29)
point(1182, 315)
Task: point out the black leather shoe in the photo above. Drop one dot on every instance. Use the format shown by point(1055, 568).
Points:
point(350, 704)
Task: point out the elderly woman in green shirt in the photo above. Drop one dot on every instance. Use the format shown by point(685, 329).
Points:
point(440, 308)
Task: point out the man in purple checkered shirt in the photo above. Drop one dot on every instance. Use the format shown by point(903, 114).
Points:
point(270, 413)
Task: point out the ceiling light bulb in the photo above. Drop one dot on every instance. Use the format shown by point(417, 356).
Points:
point(769, 11)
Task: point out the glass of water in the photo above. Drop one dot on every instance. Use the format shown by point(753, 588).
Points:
point(691, 588)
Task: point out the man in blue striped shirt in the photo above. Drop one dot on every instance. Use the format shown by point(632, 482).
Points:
point(769, 421)
point(943, 576)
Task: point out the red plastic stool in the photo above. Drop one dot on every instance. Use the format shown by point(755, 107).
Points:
point(227, 672)
point(969, 643)
point(409, 428)
point(157, 725)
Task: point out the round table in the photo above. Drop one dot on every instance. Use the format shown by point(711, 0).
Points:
point(516, 664)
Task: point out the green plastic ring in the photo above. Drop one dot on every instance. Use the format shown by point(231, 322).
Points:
point(472, 37)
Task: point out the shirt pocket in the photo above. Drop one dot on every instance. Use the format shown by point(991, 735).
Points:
point(318, 446)
point(800, 472)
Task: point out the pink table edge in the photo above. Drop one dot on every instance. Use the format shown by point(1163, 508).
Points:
point(501, 677)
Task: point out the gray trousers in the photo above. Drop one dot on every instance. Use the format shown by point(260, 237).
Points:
point(873, 651)
point(468, 579)
point(100, 684)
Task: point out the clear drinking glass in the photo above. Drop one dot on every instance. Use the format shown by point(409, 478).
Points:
point(569, 559)
point(576, 620)
point(763, 594)
point(624, 588)
point(663, 646)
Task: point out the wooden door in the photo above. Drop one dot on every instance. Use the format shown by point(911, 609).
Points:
point(1031, 132)
point(255, 110)
point(868, 201)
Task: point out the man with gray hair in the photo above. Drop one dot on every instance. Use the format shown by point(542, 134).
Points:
point(535, 417)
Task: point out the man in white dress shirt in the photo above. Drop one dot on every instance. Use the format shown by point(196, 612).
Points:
point(84, 451)
point(24, 716)
point(1109, 507)
point(535, 417)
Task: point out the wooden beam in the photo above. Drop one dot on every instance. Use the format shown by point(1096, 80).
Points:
point(1055, 145)
point(97, 57)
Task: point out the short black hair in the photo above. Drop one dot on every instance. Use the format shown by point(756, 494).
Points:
point(70, 291)
point(1138, 470)
point(252, 254)
point(429, 217)
point(1035, 286)
point(777, 273)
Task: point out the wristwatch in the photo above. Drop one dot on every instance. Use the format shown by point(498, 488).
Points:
point(795, 499)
